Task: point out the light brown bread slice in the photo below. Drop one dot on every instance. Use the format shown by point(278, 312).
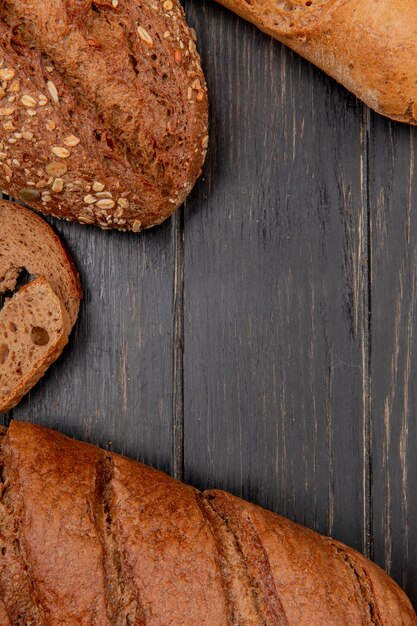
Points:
point(36, 321)
point(28, 242)
point(105, 115)
point(34, 329)
point(370, 46)
point(89, 537)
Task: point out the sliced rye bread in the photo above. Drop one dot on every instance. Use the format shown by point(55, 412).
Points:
point(28, 242)
point(104, 118)
point(34, 329)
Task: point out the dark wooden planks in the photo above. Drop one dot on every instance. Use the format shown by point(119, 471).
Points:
point(113, 384)
point(232, 345)
point(393, 199)
point(275, 286)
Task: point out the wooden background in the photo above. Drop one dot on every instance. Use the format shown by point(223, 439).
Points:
point(264, 339)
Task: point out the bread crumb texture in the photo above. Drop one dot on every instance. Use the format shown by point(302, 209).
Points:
point(36, 320)
point(103, 109)
point(28, 243)
point(34, 329)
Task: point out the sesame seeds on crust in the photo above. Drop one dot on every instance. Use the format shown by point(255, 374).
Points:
point(55, 166)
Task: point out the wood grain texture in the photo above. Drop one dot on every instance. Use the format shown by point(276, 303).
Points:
point(393, 194)
point(263, 340)
point(275, 345)
point(113, 384)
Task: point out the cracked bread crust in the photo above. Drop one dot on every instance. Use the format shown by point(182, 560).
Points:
point(105, 540)
point(369, 46)
point(103, 117)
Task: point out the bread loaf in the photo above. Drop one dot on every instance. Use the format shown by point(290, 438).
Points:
point(370, 46)
point(36, 321)
point(89, 537)
point(103, 109)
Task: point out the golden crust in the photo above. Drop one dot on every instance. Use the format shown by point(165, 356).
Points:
point(369, 46)
point(106, 540)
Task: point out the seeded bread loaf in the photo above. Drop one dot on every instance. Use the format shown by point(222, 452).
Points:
point(89, 537)
point(103, 110)
point(370, 46)
point(34, 329)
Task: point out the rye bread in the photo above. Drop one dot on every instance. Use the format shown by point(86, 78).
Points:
point(89, 537)
point(34, 328)
point(36, 321)
point(103, 110)
point(27, 242)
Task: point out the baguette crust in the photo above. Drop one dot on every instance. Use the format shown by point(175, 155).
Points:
point(4, 620)
point(369, 46)
point(104, 117)
point(105, 540)
point(352, 589)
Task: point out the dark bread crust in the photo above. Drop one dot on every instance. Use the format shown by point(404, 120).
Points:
point(177, 574)
point(387, 603)
point(317, 579)
point(110, 541)
point(17, 597)
point(124, 81)
point(62, 487)
point(4, 620)
point(68, 588)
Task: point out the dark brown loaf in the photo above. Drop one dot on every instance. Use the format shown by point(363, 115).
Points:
point(89, 537)
point(370, 46)
point(103, 110)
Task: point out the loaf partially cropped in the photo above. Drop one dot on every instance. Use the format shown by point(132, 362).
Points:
point(89, 537)
point(103, 109)
point(36, 320)
point(34, 329)
point(370, 46)
point(28, 243)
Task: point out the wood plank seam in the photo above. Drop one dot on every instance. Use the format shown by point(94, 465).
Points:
point(178, 348)
point(368, 544)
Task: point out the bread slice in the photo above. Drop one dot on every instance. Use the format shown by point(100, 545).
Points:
point(369, 46)
point(35, 323)
point(105, 118)
point(27, 242)
point(34, 329)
